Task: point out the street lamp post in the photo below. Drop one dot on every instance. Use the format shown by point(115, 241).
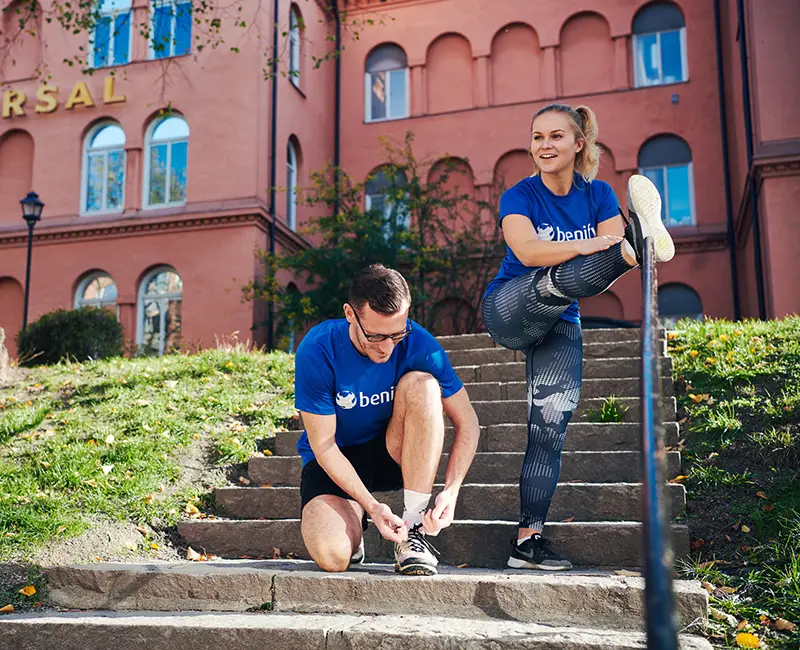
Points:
point(31, 212)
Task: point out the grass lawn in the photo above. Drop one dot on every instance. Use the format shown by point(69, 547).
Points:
point(738, 388)
point(103, 440)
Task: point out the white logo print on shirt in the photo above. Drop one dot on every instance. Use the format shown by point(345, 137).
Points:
point(346, 399)
point(546, 232)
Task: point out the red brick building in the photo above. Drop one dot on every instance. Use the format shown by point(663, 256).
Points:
point(160, 214)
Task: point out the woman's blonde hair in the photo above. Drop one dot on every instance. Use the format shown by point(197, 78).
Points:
point(584, 125)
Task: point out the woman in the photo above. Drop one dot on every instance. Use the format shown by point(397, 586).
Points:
point(566, 239)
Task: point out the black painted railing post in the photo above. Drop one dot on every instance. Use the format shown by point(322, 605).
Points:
point(661, 618)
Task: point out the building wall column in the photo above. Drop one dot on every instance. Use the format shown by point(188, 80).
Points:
point(140, 18)
point(482, 81)
point(417, 84)
point(133, 179)
point(621, 59)
point(549, 73)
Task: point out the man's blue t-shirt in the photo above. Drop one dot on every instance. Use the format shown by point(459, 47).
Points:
point(555, 218)
point(333, 378)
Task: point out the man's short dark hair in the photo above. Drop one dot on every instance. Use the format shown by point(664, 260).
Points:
point(386, 290)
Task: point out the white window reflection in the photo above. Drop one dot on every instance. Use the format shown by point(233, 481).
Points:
point(166, 163)
point(97, 290)
point(103, 178)
point(160, 303)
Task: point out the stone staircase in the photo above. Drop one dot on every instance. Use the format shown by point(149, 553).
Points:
point(594, 521)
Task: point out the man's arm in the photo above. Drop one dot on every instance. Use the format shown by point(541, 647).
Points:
point(467, 431)
point(321, 430)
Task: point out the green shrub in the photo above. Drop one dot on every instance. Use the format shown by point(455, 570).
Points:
point(78, 334)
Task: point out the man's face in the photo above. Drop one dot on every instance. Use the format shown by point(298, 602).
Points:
point(372, 322)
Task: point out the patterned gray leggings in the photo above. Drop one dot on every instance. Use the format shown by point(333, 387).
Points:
point(524, 314)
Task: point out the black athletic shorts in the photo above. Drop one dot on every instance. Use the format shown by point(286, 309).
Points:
point(373, 464)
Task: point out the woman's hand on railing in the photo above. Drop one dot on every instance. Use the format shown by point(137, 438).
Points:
point(596, 244)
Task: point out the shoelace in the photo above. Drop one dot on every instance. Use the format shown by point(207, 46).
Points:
point(418, 542)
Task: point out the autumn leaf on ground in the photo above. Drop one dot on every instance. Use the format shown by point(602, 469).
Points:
point(745, 640)
point(244, 481)
point(28, 591)
point(761, 495)
point(276, 553)
point(678, 479)
point(154, 546)
point(706, 565)
point(267, 452)
point(462, 566)
point(110, 439)
point(569, 519)
point(784, 625)
point(191, 509)
point(745, 529)
point(8, 609)
point(743, 624)
point(192, 555)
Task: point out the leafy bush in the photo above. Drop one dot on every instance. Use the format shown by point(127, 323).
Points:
point(79, 334)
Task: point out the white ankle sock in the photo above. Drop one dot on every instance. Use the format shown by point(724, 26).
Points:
point(414, 504)
point(520, 542)
point(629, 248)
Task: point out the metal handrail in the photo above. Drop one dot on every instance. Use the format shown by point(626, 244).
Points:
point(662, 624)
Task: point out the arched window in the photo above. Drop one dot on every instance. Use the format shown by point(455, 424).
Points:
point(386, 84)
point(103, 178)
point(294, 46)
point(667, 161)
point(659, 45)
point(96, 290)
point(159, 312)
point(171, 28)
point(677, 301)
point(165, 162)
point(111, 42)
point(291, 185)
point(386, 196)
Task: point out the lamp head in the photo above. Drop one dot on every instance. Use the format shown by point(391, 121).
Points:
point(32, 207)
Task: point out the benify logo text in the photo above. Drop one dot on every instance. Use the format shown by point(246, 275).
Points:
point(548, 233)
point(347, 399)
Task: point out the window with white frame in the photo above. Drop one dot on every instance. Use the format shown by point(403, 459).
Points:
point(387, 196)
point(667, 161)
point(294, 46)
point(166, 160)
point(386, 84)
point(110, 43)
point(159, 320)
point(659, 45)
point(291, 185)
point(97, 290)
point(103, 177)
point(171, 28)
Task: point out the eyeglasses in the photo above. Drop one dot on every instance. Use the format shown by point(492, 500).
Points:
point(380, 338)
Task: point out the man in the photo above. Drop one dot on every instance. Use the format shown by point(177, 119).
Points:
point(371, 389)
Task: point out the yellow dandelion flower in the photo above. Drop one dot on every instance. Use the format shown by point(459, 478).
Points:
point(693, 353)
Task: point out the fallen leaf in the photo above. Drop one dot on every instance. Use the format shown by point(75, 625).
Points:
point(267, 452)
point(276, 553)
point(462, 566)
point(707, 586)
point(97, 558)
point(142, 530)
point(736, 525)
point(28, 591)
point(728, 537)
point(745, 640)
point(244, 481)
point(706, 565)
point(572, 518)
point(291, 556)
point(142, 402)
point(761, 495)
point(745, 548)
point(745, 528)
point(245, 557)
point(719, 615)
point(677, 479)
point(627, 573)
point(154, 546)
point(266, 485)
point(743, 624)
point(107, 469)
point(728, 590)
point(192, 555)
point(110, 439)
point(768, 507)
point(785, 626)
point(191, 509)
point(60, 530)
point(7, 609)
point(697, 543)
point(149, 498)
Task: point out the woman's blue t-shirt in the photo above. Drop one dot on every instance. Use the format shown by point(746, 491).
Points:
point(555, 218)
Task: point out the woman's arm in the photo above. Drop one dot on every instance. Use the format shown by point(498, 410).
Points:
point(614, 226)
point(521, 238)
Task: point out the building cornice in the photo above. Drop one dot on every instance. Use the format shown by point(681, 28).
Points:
point(128, 227)
point(703, 240)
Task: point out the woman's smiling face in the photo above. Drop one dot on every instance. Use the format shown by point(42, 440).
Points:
point(553, 143)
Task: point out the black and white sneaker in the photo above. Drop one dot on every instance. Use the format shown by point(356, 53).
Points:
point(644, 210)
point(535, 553)
point(415, 556)
point(358, 556)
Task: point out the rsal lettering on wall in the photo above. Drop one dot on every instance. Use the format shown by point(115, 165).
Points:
point(47, 98)
point(347, 399)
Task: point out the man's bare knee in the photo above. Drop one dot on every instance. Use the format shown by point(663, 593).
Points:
point(419, 388)
point(331, 530)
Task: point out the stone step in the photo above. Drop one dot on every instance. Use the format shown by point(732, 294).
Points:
point(610, 350)
point(509, 411)
point(599, 599)
point(491, 467)
point(592, 369)
point(581, 436)
point(599, 388)
point(576, 501)
point(473, 341)
point(158, 631)
point(479, 543)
